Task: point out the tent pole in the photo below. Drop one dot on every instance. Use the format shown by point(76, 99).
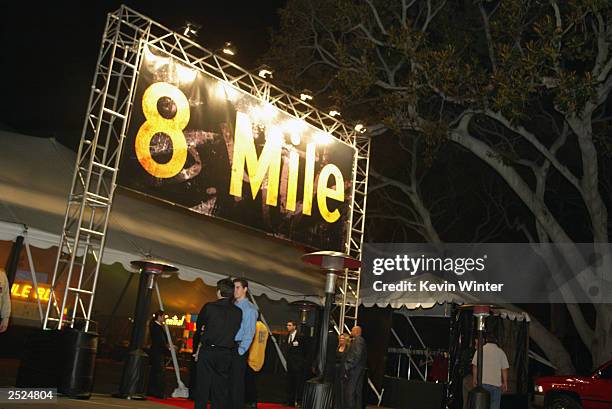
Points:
point(116, 307)
point(13, 259)
point(181, 391)
point(416, 332)
point(410, 360)
point(34, 280)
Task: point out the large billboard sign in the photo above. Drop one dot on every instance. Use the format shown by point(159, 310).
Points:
point(198, 142)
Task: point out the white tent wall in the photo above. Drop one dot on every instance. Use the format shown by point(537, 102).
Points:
point(35, 175)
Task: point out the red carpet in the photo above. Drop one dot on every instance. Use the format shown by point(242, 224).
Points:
point(188, 404)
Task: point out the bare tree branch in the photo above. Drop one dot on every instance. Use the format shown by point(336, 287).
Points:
point(377, 17)
point(487, 30)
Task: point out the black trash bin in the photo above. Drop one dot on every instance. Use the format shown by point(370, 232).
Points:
point(62, 359)
point(318, 394)
point(79, 355)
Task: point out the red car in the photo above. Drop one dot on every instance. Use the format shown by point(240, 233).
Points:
point(576, 392)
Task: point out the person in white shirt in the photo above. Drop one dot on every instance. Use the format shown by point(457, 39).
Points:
point(5, 301)
point(494, 370)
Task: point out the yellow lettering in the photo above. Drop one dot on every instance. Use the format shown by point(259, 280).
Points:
point(171, 127)
point(245, 154)
point(25, 291)
point(294, 168)
point(42, 293)
point(175, 321)
point(309, 179)
point(324, 192)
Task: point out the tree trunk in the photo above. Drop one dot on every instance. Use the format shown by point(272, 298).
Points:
point(552, 347)
point(601, 349)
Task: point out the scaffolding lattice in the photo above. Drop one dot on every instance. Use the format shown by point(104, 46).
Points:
point(347, 287)
point(90, 200)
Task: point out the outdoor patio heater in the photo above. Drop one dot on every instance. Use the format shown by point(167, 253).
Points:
point(479, 397)
point(318, 391)
point(132, 379)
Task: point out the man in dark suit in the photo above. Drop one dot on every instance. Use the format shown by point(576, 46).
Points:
point(159, 346)
point(295, 352)
point(355, 366)
point(220, 323)
point(193, 368)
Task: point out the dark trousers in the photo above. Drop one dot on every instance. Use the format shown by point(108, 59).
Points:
point(295, 384)
point(353, 389)
point(339, 387)
point(193, 370)
point(213, 378)
point(250, 386)
point(156, 375)
point(237, 377)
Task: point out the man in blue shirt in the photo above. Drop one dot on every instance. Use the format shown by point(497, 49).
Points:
point(244, 337)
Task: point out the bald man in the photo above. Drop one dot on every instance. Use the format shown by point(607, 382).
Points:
point(355, 367)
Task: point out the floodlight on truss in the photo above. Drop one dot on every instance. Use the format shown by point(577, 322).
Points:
point(229, 48)
point(306, 95)
point(334, 112)
point(191, 30)
point(265, 72)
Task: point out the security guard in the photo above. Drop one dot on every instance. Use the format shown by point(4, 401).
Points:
point(221, 320)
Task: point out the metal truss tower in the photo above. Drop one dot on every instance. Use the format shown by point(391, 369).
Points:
point(347, 291)
point(90, 199)
point(80, 252)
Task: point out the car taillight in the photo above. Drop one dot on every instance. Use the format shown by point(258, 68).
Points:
point(538, 389)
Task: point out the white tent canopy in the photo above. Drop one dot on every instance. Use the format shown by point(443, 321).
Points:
point(35, 177)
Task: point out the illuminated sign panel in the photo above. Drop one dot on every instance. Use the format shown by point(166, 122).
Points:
point(198, 142)
point(174, 321)
point(27, 292)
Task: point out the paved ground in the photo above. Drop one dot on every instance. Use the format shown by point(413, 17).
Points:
point(106, 382)
point(97, 401)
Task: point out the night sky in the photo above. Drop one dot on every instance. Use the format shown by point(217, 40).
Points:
point(49, 52)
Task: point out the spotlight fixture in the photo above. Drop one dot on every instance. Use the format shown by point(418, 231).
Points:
point(306, 95)
point(265, 72)
point(334, 112)
point(191, 30)
point(360, 128)
point(229, 49)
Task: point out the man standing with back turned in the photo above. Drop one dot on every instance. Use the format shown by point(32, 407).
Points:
point(244, 338)
point(494, 370)
point(221, 321)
